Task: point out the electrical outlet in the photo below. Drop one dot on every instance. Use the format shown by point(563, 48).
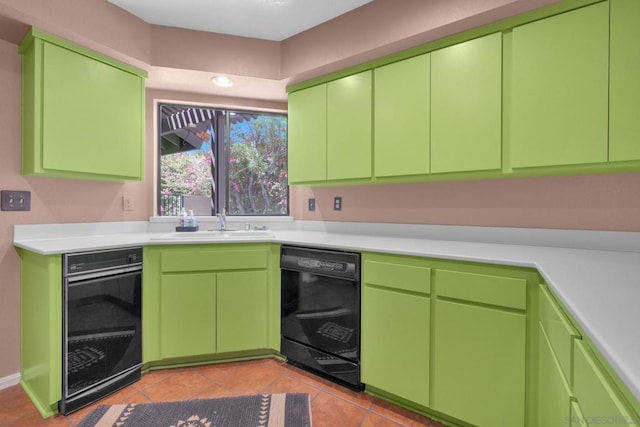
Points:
point(127, 203)
point(312, 205)
point(15, 200)
point(337, 203)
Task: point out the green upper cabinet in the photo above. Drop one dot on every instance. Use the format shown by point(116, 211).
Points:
point(82, 113)
point(466, 106)
point(559, 95)
point(307, 138)
point(624, 103)
point(401, 118)
point(349, 127)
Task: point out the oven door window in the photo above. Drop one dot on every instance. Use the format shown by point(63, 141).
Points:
point(103, 329)
point(322, 312)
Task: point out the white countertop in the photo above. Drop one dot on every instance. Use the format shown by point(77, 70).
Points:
point(600, 288)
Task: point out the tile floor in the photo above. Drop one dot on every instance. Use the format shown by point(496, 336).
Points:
point(331, 405)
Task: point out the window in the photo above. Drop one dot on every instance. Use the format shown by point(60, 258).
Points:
point(212, 159)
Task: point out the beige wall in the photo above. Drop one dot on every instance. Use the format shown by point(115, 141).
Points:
point(595, 202)
point(52, 201)
point(607, 202)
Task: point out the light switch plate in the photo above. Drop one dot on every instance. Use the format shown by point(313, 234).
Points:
point(15, 200)
point(312, 205)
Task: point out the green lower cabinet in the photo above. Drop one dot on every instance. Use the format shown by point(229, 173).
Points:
point(396, 325)
point(41, 329)
point(395, 342)
point(554, 395)
point(599, 401)
point(201, 300)
point(479, 364)
point(187, 314)
point(242, 311)
point(576, 419)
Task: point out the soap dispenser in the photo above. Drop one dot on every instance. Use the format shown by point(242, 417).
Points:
point(182, 220)
point(192, 220)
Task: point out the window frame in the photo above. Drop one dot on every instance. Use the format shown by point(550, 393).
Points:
point(222, 131)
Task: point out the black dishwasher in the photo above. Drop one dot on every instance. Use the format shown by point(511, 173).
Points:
point(102, 333)
point(321, 312)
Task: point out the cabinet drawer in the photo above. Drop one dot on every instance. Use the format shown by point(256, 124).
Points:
point(558, 329)
point(398, 276)
point(213, 260)
point(496, 290)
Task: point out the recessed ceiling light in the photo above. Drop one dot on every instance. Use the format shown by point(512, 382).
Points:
point(223, 81)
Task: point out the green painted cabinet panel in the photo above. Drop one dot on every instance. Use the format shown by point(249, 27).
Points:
point(624, 84)
point(479, 364)
point(188, 314)
point(41, 329)
point(395, 342)
point(593, 390)
point(349, 115)
point(577, 419)
point(483, 288)
point(397, 275)
point(559, 94)
point(553, 391)
point(402, 117)
point(560, 332)
point(210, 298)
point(213, 259)
point(466, 106)
point(242, 310)
point(83, 114)
point(307, 138)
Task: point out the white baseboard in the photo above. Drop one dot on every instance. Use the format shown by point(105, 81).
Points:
point(9, 381)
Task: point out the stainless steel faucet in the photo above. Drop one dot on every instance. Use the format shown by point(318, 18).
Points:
point(223, 220)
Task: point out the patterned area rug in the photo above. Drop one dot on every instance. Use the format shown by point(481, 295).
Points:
point(266, 410)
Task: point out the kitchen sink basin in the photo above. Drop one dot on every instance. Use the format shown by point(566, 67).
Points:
point(214, 235)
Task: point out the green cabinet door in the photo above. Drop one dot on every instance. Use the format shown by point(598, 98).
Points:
point(479, 364)
point(624, 66)
point(559, 98)
point(307, 137)
point(83, 114)
point(187, 314)
point(598, 400)
point(349, 127)
point(466, 106)
point(241, 310)
point(395, 342)
point(553, 391)
point(401, 117)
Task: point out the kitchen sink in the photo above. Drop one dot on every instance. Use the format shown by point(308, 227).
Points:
point(214, 235)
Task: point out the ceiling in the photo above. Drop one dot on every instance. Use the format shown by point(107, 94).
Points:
point(263, 19)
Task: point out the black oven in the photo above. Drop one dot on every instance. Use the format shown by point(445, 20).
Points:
point(102, 342)
point(321, 312)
